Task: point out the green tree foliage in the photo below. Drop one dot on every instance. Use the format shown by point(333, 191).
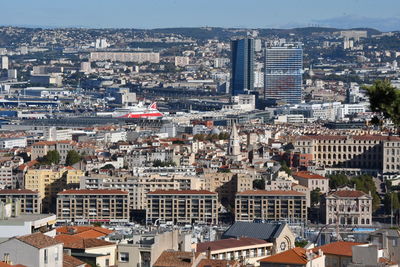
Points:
point(300, 243)
point(390, 201)
point(366, 184)
point(107, 167)
point(223, 135)
point(315, 196)
point(52, 157)
point(285, 168)
point(385, 99)
point(338, 180)
point(72, 158)
point(160, 163)
point(199, 137)
point(259, 184)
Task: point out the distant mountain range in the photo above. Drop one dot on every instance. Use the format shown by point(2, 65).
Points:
point(350, 21)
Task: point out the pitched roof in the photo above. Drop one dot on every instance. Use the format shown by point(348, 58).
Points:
point(181, 192)
point(175, 258)
point(349, 193)
point(308, 175)
point(341, 248)
point(292, 256)
point(3, 264)
point(270, 193)
point(264, 231)
point(217, 263)
point(39, 240)
point(70, 261)
point(18, 192)
point(81, 230)
point(229, 243)
point(93, 192)
point(77, 242)
point(90, 234)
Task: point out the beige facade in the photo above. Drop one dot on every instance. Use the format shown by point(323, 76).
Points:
point(312, 181)
point(139, 186)
point(49, 181)
point(93, 206)
point(29, 200)
point(144, 250)
point(182, 206)
point(245, 249)
point(41, 148)
point(270, 205)
point(227, 185)
point(348, 206)
point(363, 152)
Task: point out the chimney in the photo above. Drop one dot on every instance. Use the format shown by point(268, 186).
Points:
point(209, 253)
point(6, 258)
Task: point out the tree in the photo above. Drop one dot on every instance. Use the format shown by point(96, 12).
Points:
point(160, 163)
point(223, 135)
point(391, 201)
point(385, 99)
point(72, 158)
point(366, 184)
point(338, 180)
point(259, 184)
point(52, 157)
point(108, 167)
point(300, 243)
point(285, 168)
point(315, 196)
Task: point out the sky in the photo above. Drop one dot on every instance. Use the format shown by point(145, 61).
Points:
point(380, 14)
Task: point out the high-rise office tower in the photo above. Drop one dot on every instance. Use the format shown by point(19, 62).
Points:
point(283, 73)
point(4, 63)
point(242, 66)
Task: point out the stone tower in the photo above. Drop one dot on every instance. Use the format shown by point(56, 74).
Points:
point(234, 144)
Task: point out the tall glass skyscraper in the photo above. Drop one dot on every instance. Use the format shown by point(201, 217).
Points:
point(283, 73)
point(242, 76)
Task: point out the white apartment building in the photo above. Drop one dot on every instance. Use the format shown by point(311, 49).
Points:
point(139, 57)
point(13, 142)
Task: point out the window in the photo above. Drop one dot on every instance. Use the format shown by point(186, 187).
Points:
point(124, 257)
point(46, 256)
point(56, 254)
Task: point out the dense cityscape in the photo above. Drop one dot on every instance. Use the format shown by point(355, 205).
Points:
point(199, 147)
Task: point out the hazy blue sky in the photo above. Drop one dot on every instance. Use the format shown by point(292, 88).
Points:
point(384, 14)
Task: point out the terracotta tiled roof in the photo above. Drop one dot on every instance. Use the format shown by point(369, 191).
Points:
point(74, 241)
point(70, 261)
point(386, 261)
point(3, 264)
point(217, 263)
point(181, 192)
point(93, 192)
point(73, 230)
point(348, 193)
point(90, 234)
point(175, 258)
point(17, 192)
point(44, 143)
point(271, 193)
point(340, 248)
point(39, 240)
point(308, 175)
point(229, 243)
point(292, 256)
point(354, 137)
